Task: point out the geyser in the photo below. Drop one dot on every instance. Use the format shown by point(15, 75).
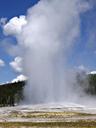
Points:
point(52, 27)
point(46, 35)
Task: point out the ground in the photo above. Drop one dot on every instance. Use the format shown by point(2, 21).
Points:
point(48, 116)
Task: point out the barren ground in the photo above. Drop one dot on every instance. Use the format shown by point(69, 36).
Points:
point(47, 116)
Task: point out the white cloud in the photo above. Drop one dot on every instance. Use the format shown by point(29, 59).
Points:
point(92, 72)
point(2, 63)
point(14, 26)
point(19, 78)
point(17, 64)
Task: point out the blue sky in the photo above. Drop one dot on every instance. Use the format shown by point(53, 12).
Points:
point(84, 52)
point(9, 9)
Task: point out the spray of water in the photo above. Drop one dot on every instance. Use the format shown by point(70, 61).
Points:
point(46, 35)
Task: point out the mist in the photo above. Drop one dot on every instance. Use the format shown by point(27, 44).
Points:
point(46, 35)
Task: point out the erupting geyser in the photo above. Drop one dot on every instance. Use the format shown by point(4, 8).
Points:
point(51, 29)
point(46, 35)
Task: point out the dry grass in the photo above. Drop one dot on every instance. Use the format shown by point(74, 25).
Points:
point(56, 120)
point(48, 114)
point(78, 124)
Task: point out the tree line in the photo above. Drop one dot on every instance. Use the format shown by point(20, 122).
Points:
point(87, 83)
point(11, 93)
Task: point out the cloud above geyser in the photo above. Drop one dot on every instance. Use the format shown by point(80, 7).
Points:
point(14, 26)
point(16, 64)
point(2, 63)
point(19, 78)
point(47, 33)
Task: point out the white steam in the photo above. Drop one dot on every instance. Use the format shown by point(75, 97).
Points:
point(46, 35)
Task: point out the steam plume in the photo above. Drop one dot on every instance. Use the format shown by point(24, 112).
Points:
point(46, 35)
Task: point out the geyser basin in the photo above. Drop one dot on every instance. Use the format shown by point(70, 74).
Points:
point(48, 115)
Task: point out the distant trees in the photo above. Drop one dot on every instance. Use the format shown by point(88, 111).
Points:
point(92, 84)
point(87, 82)
point(11, 93)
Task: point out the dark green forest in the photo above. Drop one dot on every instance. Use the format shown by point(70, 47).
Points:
point(12, 93)
point(91, 89)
